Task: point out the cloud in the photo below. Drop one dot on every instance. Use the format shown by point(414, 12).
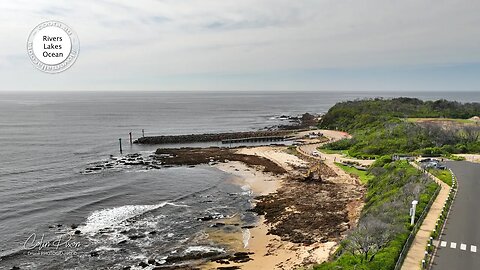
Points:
point(124, 42)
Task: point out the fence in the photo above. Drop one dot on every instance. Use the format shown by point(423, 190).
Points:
point(414, 231)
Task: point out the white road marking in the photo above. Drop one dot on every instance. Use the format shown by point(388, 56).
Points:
point(453, 245)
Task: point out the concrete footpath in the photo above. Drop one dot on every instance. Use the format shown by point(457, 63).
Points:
point(417, 251)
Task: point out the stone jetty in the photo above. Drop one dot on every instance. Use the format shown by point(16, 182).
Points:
point(212, 137)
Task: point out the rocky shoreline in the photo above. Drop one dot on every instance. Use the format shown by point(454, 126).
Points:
point(302, 221)
point(212, 156)
point(299, 215)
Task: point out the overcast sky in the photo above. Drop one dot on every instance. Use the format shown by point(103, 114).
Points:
point(251, 45)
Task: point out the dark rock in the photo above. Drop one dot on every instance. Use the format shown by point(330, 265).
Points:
point(143, 264)
point(210, 255)
point(94, 254)
point(218, 225)
point(248, 227)
point(78, 232)
point(136, 236)
point(15, 268)
point(122, 242)
point(241, 257)
point(151, 261)
point(222, 261)
point(152, 232)
point(74, 226)
point(207, 218)
point(242, 254)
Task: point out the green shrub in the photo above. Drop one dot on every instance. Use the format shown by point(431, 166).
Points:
point(388, 198)
point(378, 128)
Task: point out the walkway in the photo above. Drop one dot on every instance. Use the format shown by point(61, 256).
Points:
point(308, 149)
point(417, 251)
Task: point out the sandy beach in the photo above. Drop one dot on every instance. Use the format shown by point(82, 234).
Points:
point(269, 251)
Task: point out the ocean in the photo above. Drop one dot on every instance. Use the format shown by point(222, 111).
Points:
point(49, 138)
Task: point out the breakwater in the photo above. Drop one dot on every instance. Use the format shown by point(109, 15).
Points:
point(212, 137)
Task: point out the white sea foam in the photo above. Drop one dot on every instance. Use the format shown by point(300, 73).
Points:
point(204, 249)
point(246, 237)
point(105, 248)
point(112, 216)
point(246, 188)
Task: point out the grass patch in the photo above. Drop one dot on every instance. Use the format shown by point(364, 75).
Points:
point(456, 120)
point(443, 175)
point(344, 153)
point(332, 152)
point(456, 157)
point(364, 176)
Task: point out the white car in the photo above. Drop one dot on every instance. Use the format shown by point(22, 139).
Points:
point(315, 153)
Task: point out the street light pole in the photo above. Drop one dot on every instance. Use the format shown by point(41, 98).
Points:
point(412, 211)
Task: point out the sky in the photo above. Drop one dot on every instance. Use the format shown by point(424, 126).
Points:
point(250, 45)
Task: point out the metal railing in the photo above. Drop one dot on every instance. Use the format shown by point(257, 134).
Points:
point(413, 233)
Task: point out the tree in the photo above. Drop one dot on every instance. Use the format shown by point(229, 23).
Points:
point(370, 236)
point(472, 134)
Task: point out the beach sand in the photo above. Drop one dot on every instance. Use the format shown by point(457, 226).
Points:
point(258, 182)
point(269, 251)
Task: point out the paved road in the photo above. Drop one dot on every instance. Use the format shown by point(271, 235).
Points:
point(461, 238)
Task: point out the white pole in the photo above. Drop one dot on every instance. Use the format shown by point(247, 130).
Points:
point(414, 206)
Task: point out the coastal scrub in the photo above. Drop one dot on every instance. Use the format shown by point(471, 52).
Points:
point(384, 224)
point(381, 127)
